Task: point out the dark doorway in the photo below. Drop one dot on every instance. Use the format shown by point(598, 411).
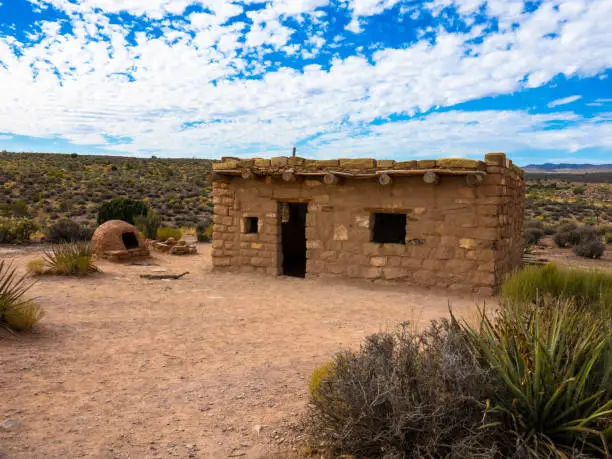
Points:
point(129, 240)
point(293, 227)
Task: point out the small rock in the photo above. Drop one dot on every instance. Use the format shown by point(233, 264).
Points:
point(9, 424)
point(257, 428)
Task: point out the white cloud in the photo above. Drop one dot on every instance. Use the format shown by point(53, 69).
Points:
point(194, 74)
point(564, 101)
point(2, 136)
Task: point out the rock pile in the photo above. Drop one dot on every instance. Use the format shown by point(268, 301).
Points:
point(174, 247)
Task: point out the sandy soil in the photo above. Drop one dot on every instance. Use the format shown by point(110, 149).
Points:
point(549, 251)
point(211, 365)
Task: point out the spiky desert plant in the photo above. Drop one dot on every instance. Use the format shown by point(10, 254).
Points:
point(16, 312)
point(72, 259)
point(554, 363)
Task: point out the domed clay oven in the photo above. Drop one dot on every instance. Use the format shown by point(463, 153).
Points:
point(117, 240)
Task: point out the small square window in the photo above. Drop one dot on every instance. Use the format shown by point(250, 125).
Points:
point(389, 228)
point(251, 225)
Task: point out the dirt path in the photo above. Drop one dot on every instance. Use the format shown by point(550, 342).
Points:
point(126, 367)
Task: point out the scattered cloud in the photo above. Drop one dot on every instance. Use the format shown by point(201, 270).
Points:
point(252, 77)
point(2, 136)
point(564, 101)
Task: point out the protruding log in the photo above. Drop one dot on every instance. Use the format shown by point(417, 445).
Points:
point(247, 174)
point(289, 176)
point(330, 179)
point(474, 179)
point(385, 179)
point(431, 177)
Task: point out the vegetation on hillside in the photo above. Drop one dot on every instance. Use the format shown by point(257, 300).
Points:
point(50, 187)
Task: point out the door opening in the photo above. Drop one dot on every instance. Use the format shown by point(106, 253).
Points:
point(293, 229)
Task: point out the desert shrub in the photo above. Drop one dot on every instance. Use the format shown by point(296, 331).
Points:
point(67, 231)
point(405, 394)
point(204, 231)
point(554, 366)
point(590, 249)
point(148, 224)
point(36, 267)
point(71, 259)
point(121, 209)
point(16, 230)
point(578, 190)
point(534, 224)
point(571, 235)
point(23, 316)
point(534, 284)
point(16, 312)
point(533, 235)
point(165, 233)
point(608, 237)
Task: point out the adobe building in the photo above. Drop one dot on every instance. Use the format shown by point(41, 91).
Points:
point(450, 223)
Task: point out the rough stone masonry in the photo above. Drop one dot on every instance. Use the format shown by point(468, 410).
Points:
point(450, 223)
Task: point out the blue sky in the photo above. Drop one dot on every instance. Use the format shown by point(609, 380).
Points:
point(395, 79)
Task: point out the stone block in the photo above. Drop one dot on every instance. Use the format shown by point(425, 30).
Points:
point(328, 255)
point(225, 165)
point(385, 163)
point(221, 261)
point(362, 221)
point(315, 266)
point(216, 244)
point(378, 261)
point(335, 268)
point(411, 262)
point(256, 245)
point(393, 249)
point(394, 261)
point(258, 162)
point(426, 164)
point(495, 159)
point(372, 248)
point(360, 163)
point(314, 244)
point(371, 273)
point(296, 161)
point(279, 161)
point(406, 165)
point(394, 273)
point(468, 243)
point(340, 233)
point(459, 163)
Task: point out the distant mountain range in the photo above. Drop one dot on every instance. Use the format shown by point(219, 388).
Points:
point(568, 168)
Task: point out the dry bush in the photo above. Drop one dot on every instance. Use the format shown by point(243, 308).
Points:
point(23, 316)
point(405, 394)
point(36, 267)
point(71, 259)
point(590, 249)
point(164, 234)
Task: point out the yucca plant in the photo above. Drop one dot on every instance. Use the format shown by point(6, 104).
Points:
point(16, 312)
point(75, 258)
point(555, 364)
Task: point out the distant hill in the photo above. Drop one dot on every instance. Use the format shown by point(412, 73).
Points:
point(568, 168)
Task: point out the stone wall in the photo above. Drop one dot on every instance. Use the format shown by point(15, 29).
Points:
point(458, 236)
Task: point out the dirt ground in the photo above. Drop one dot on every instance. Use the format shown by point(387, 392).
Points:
point(547, 250)
point(211, 365)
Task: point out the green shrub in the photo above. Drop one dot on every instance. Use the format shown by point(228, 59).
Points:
point(608, 237)
point(166, 233)
point(16, 230)
point(67, 231)
point(534, 283)
point(204, 231)
point(16, 312)
point(533, 235)
point(121, 209)
point(571, 235)
point(71, 259)
point(554, 364)
point(148, 224)
point(590, 249)
point(405, 394)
